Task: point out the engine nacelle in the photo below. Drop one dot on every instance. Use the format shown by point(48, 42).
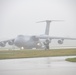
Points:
point(47, 41)
point(60, 41)
point(11, 42)
point(2, 44)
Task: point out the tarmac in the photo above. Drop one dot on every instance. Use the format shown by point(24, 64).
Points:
point(38, 66)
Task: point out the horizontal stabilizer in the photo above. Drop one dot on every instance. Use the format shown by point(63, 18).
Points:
point(48, 21)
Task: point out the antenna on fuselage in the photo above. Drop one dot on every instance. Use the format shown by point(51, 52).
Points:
point(48, 25)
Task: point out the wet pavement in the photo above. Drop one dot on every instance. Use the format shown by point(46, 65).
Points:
point(38, 66)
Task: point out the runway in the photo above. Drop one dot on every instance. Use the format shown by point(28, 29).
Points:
point(38, 66)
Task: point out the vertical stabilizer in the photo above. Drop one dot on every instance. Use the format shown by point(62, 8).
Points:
point(48, 25)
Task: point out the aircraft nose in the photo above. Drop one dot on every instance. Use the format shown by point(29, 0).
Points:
point(20, 41)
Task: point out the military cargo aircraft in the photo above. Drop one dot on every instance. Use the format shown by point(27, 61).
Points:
point(35, 41)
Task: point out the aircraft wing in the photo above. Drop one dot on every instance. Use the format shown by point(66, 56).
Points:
point(10, 42)
point(50, 37)
point(7, 40)
point(67, 38)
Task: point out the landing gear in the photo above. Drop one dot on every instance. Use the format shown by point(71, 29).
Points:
point(47, 47)
point(46, 43)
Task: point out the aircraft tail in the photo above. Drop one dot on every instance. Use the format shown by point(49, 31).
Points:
point(48, 25)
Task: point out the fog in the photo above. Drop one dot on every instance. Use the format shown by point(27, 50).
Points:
point(20, 17)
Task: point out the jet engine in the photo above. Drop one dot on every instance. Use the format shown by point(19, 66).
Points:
point(2, 44)
point(47, 41)
point(11, 42)
point(60, 41)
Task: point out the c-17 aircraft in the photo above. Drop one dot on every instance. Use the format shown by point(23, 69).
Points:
point(34, 41)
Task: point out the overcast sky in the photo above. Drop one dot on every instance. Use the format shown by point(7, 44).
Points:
point(20, 17)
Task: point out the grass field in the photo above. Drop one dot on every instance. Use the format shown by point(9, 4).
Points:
point(13, 54)
point(71, 59)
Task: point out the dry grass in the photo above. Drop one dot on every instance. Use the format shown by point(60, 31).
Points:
point(11, 54)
